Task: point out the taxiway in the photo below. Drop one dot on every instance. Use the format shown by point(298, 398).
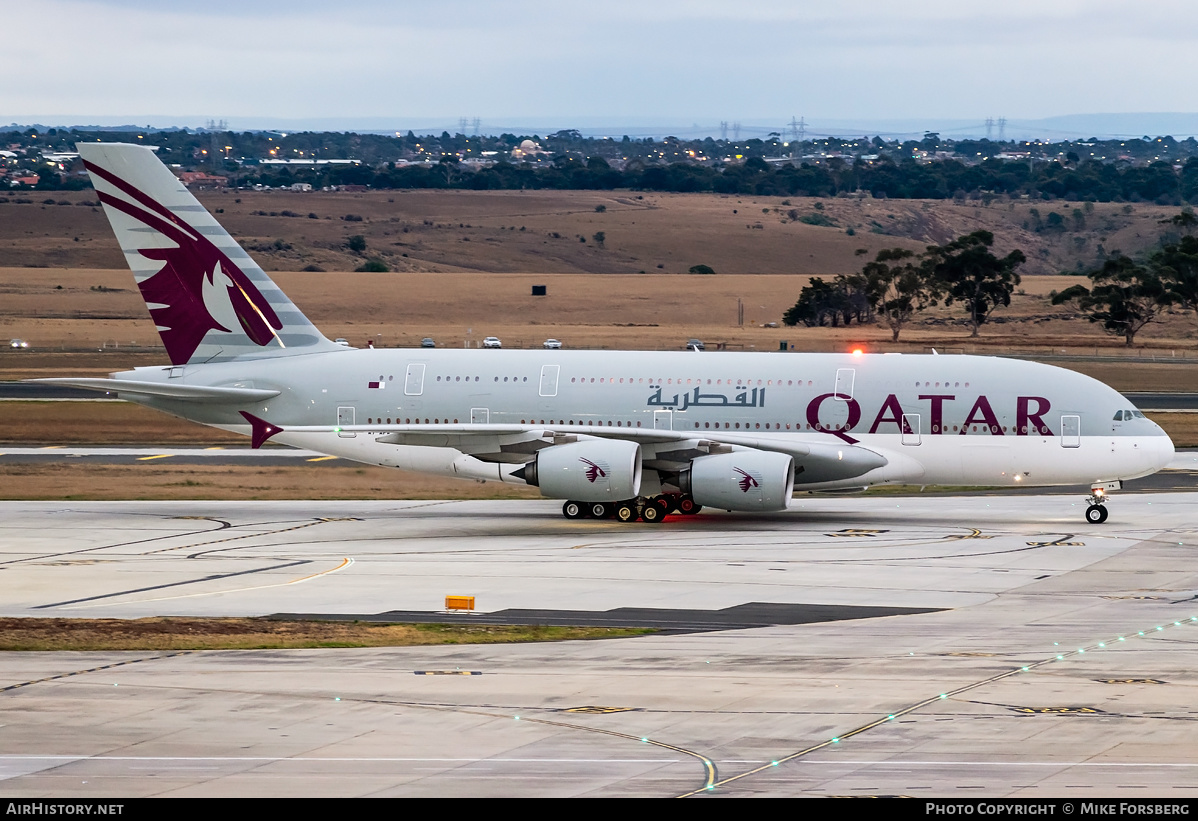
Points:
point(1054, 657)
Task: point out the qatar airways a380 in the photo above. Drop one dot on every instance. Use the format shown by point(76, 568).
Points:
point(633, 435)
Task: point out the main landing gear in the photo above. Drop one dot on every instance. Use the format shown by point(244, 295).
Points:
point(650, 510)
point(1096, 513)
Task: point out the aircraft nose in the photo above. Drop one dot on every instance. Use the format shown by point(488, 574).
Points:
point(1164, 451)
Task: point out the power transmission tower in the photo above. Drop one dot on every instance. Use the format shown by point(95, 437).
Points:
point(214, 152)
point(989, 127)
point(462, 125)
point(475, 124)
point(798, 129)
point(724, 130)
point(1002, 129)
point(736, 132)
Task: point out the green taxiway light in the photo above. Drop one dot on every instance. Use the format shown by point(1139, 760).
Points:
point(836, 741)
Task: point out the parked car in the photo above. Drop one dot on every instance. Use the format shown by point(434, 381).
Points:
point(695, 345)
point(18, 344)
point(492, 342)
point(342, 341)
point(428, 342)
point(552, 344)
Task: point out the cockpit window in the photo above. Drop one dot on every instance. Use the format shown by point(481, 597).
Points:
point(1138, 415)
point(1118, 416)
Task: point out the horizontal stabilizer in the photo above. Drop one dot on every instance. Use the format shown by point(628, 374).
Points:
point(192, 393)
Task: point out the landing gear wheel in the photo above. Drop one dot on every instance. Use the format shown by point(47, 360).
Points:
point(654, 512)
point(600, 510)
point(686, 506)
point(626, 512)
point(661, 506)
point(1096, 514)
point(574, 510)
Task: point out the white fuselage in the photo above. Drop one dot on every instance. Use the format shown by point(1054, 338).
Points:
point(946, 420)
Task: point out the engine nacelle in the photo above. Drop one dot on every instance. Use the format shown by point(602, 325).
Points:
point(742, 480)
point(594, 470)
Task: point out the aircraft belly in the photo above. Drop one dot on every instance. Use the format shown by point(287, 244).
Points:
point(1022, 460)
point(364, 449)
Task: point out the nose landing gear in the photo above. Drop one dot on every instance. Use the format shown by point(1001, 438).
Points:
point(1096, 513)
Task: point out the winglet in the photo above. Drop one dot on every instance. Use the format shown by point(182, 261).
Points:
point(261, 430)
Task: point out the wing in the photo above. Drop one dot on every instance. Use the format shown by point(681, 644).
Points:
point(667, 452)
point(164, 390)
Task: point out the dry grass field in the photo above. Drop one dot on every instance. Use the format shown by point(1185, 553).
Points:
point(100, 312)
point(262, 634)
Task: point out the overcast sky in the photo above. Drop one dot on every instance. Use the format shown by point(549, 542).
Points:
point(393, 64)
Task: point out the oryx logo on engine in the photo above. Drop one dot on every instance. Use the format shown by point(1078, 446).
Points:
point(594, 471)
point(747, 481)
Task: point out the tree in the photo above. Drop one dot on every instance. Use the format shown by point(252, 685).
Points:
point(1186, 221)
point(600, 238)
point(373, 266)
point(1126, 296)
point(972, 275)
point(816, 304)
point(844, 298)
point(356, 243)
point(899, 284)
point(1177, 266)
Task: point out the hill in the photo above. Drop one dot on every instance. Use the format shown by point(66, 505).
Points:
point(556, 231)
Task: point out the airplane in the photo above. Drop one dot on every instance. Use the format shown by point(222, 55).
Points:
point(630, 435)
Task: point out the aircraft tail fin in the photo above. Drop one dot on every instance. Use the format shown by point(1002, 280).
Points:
point(209, 300)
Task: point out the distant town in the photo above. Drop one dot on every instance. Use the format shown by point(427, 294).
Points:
point(1160, 170)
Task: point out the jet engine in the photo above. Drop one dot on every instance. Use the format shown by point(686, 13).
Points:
point(587, 471)
point(742, 480)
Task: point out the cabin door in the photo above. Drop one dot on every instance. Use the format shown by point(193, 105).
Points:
point(1071, 431)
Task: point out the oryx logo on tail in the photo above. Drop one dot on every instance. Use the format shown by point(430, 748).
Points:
point(193, 272)
point(594, 472)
